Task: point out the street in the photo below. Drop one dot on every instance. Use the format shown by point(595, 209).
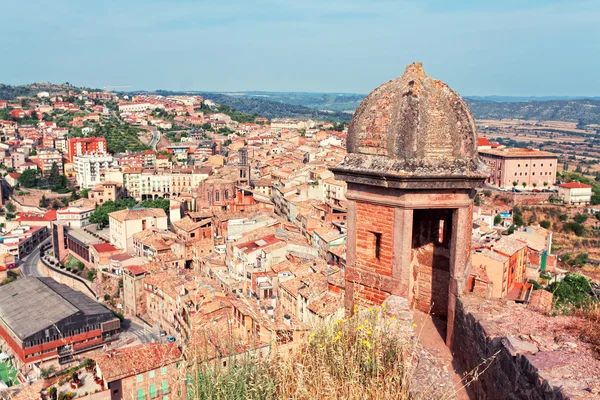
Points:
point(137, 332)
point(155, 139)
point(31, 263)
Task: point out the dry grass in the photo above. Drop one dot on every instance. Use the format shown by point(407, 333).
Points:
point(350, 359)
point(590, 327)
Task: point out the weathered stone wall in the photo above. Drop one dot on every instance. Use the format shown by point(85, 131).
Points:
point(521, 353)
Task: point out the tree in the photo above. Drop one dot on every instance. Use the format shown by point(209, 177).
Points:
point(524, 185)
point(580, 218)
point(28, 178)
point(545, 184)
point(74, 195)
point(84, 193)
point(54, 177)
point(10, 207)
point(33, 152)
point(56, 204)
point(572, 290)
point(511, 230)
point(545, 224)
point(497, 219)
point(574, 227)
point(518, 216)
point(534, 185)
point(43, 202)
point(515, 183)
point(578, 169)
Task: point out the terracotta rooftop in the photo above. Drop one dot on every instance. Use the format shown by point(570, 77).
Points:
point(130, 361)
point(104, 247)
point(138, 213)
point(575, 185)
point(515, 152)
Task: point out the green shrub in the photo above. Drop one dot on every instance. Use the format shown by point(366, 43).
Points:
point(545, 224)
point(580, 218)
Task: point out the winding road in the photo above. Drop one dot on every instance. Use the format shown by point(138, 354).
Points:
point(31, 263)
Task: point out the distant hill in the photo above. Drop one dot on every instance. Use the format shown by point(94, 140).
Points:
point(584, 111)
point(342, 102)
point(339, 107)
point(267, 108)
point(10, 92)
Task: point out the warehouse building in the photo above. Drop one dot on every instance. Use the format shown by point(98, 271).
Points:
point(42, 320)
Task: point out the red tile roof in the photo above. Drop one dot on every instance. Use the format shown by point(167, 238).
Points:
point(31, 217)
point(483, 142)
point(135, 269)
point(575, 185)
point(104, 247)
point(130, 361)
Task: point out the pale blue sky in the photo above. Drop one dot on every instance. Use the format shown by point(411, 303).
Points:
point(479, 47)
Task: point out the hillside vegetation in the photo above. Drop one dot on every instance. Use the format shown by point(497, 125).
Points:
point(584, 111)
point(269, 109)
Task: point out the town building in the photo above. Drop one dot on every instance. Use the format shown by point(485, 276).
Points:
point(105, 191)
point(22, 240)
point(75, 217)
point(90, 169)
point(504, 263)
point(146, 371)
point(520, 168)
point(81, 146)
point(126, 223)
point(575, 193)
point(42, 320)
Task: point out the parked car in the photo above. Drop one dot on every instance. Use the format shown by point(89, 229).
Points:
point(171, 339)
point(163, 333)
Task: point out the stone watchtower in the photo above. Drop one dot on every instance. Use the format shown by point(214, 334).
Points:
point(411, 169)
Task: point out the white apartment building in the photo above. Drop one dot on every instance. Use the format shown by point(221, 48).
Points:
point(90, 169)
point(75, 217)
point(576, 193)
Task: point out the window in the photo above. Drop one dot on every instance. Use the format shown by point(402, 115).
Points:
point(139, 378)
point(165, 387)
point(515, 174)
point(163, 370)
point(140, 394)
point(518, 165)
point(534, 165)
point(550, 164)
point(152, 391)
point(520, 173)
point(527, 165)
point(151, 374)
point(377, 244)
point(217, 196)
point(533, 173)
point(165, 397)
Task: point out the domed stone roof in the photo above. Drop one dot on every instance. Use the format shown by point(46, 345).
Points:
point(413, 126)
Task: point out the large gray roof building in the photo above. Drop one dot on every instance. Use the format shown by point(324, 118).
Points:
point(39, 317)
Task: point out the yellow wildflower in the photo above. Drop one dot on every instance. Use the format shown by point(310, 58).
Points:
point(415, 325)
point(360, 327)
point(369, 332)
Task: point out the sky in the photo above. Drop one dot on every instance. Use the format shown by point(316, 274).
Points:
point(478, 47)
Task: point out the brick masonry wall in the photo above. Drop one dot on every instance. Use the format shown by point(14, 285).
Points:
point(370, 220)
point(365, 296)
